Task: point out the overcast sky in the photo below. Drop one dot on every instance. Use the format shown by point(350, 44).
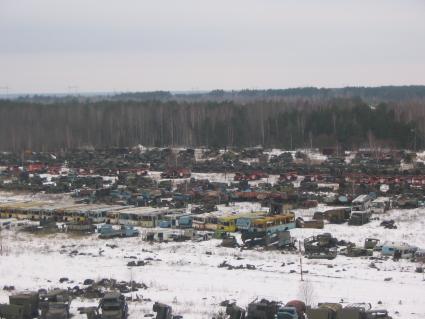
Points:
point(141, 45)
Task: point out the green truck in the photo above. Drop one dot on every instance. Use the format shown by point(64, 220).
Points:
point(21, 306)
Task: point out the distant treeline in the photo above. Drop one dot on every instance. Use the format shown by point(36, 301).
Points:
point(368, 94)
point(345, 123)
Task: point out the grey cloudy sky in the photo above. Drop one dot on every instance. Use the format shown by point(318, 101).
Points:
point(129, 45)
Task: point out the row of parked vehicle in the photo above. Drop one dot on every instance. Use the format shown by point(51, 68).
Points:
point(55, 304)
point(81, 216)
point(297, 309)
point(325, 246)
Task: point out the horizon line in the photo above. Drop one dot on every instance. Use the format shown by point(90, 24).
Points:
point(194, 91)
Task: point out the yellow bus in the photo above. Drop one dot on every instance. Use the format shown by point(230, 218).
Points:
point(227, 223)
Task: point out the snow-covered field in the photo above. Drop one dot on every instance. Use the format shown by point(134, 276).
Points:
point(185, 275)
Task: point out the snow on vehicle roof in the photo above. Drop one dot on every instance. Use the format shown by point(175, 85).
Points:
point(361, 198)
point(143, 210)
point(381, 200)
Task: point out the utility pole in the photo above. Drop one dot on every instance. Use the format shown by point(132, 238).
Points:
point(301, 261)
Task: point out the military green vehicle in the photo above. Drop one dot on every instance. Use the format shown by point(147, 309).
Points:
point(55, 304)
point(235, 312)
point(362, 311)
point(370, 243)
point(11, 311)
point(263, 309)
point(113, 306)
point(324, 311)
point(91, 312)
point(163, 311)
point(352, 251)
point(319, 243)
point(29, 301)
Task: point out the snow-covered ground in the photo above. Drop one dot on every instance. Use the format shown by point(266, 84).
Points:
point(186, 274)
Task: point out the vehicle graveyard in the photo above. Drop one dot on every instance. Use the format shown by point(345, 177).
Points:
point(207, 242)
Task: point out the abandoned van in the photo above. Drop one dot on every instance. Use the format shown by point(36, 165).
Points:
point(360, 210)
point(361, 203)
point(398, 249)
point(380, 205)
